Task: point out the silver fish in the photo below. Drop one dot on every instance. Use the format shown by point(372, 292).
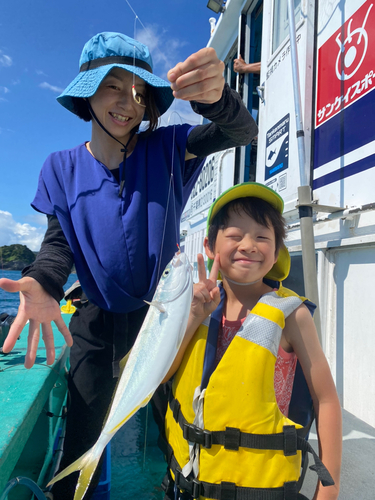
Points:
point(149, 361)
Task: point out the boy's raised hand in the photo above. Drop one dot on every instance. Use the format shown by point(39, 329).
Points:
point(199, 78)
point(206, 292)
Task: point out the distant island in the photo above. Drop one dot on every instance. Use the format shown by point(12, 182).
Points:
point(15, 257)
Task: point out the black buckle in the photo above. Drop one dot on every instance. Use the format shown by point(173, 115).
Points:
point(232, 438)
point(194, 434)
point(290, 440)
point(196, 490)
point(192, 486)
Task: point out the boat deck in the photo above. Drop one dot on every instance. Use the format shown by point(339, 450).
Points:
point(30, 405)
point(138, 465)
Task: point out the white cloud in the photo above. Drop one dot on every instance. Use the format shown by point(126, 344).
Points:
point(164, 50)
point(40, 72)
point(48, 86)
point(37, 218)
point(165, 53)
point(5, 60)
point(12, 232)
point(180, 112)
point(5, 90)
point(2, 99)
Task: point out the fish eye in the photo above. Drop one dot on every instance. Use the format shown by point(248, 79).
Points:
point(166, 272)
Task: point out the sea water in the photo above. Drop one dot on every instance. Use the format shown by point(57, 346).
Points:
point(9, 302)
point(137, 464)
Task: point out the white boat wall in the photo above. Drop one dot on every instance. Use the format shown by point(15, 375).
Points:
point(335, 42)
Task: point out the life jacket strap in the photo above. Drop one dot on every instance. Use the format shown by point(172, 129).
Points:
point(225, 490)
point(230, 491)
point(233, 438)
point(290, 440)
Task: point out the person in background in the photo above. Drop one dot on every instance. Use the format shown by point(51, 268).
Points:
point(106, 202)
point(241, 67)
point(228, 424)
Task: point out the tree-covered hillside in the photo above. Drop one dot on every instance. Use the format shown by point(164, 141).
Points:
point(15, 257)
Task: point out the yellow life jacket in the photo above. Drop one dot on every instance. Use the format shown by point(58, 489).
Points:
point(227, 437)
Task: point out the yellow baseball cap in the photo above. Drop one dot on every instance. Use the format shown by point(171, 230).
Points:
point(281, 268)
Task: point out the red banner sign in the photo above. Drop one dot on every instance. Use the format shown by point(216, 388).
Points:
point(346, 64)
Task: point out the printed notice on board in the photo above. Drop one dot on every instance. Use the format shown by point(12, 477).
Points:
point(277, 148)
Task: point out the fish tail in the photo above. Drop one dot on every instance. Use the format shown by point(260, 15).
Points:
point(85, 477)
point(87, 464)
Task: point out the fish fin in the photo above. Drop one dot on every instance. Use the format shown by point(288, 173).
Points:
point(141, 405)
point(156, 304)
point(146, 400)
point(87, 464)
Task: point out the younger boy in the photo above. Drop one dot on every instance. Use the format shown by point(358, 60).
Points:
point(227, 436)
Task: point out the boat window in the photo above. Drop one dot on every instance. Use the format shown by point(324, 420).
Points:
point(281, 20)
point(254, 42)
point(229, 74)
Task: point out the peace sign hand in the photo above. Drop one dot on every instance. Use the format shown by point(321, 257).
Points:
point(206, 292)
point(205, 301)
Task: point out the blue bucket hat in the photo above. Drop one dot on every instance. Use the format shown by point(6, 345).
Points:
point(109, 50)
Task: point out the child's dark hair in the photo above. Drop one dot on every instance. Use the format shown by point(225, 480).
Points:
point(262, 212)
point(81, 109)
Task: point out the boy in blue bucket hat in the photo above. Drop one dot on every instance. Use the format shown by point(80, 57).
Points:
point(107, 206)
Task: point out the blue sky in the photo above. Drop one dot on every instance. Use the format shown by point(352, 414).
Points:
point(40, 46)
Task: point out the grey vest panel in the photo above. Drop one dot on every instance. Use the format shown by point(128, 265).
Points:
point(265, 332)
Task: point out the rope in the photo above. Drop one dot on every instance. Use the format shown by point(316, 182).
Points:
point(24, 481)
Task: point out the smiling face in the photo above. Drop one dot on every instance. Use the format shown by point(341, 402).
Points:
point(247, 249)
point(114, 103)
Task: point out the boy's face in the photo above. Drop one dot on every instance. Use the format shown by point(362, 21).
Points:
point(114, 104)
point(247, 249)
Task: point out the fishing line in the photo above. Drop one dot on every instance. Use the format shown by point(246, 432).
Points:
point(137, 97)
point(135, 27)
point(145, 443)
point(171, 184)
point(171, 188)
point(136, 15)
point(174, 112)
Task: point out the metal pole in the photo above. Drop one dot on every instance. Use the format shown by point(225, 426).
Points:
point(304, 191)
point(310, 276)
point(297, 95)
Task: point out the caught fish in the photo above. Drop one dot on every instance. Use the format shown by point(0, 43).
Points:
point(149, 361)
